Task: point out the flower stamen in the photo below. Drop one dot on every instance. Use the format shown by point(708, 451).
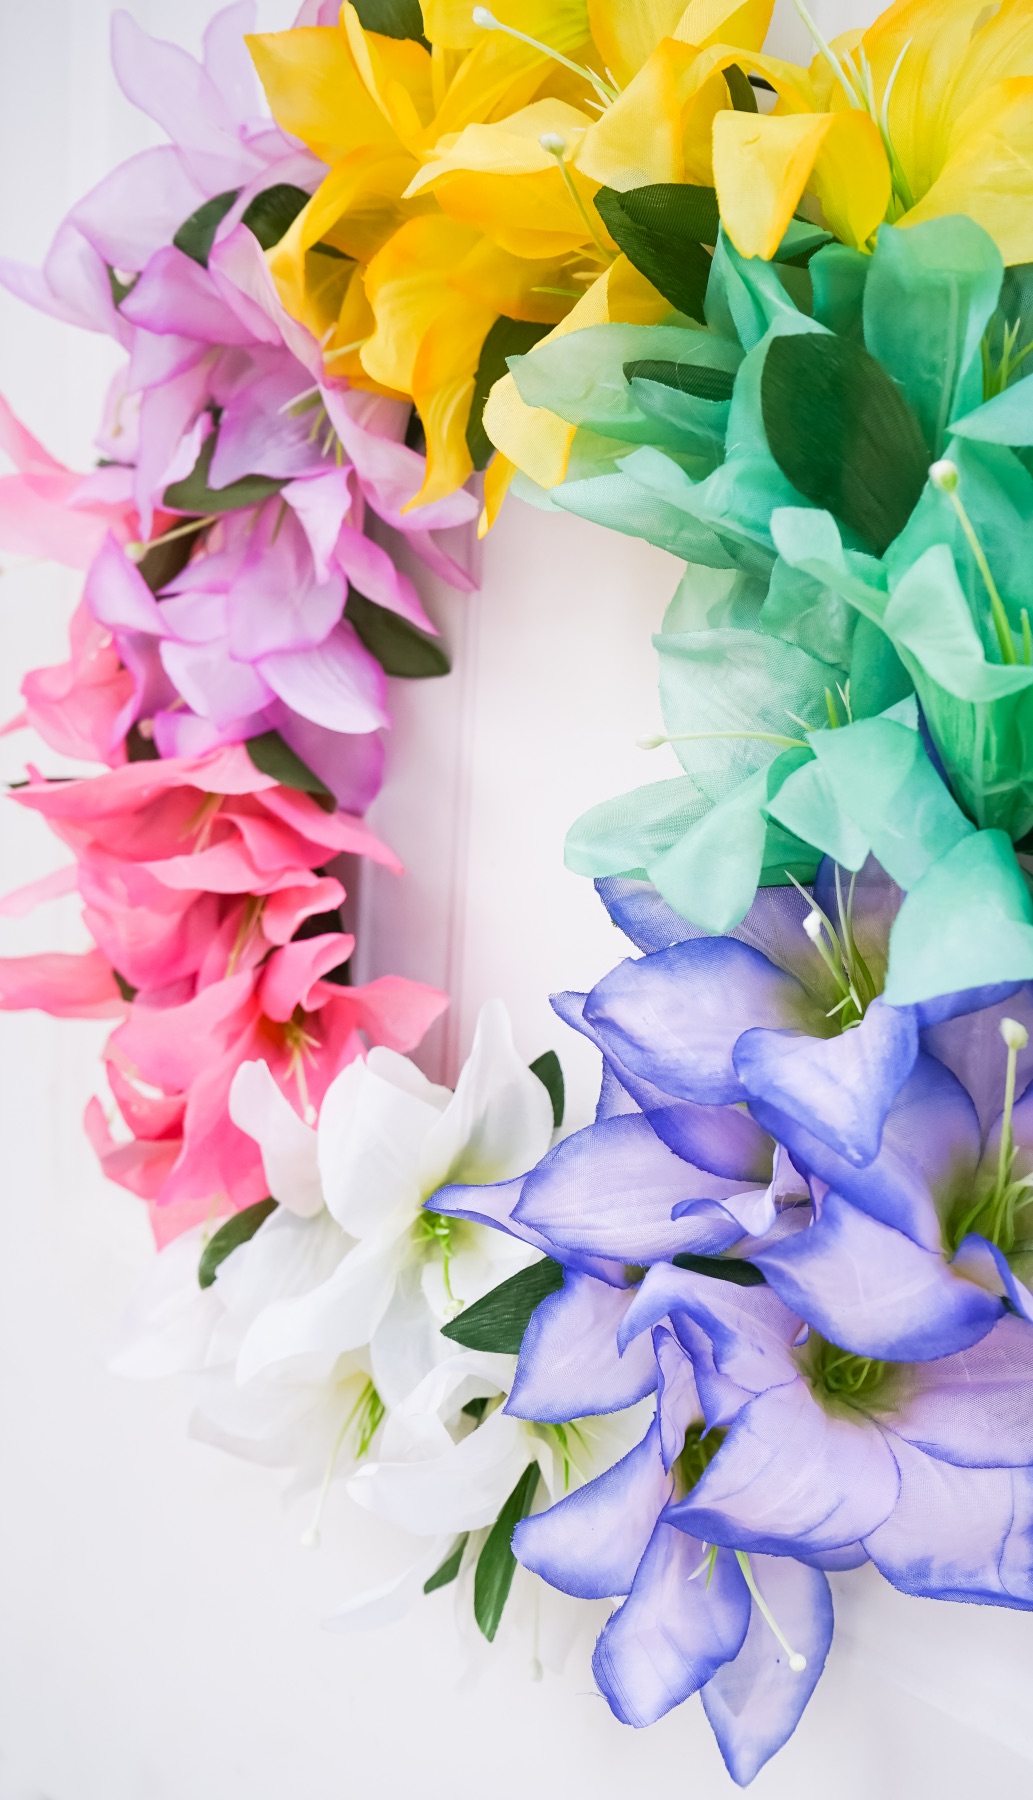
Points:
point(486, 21)
point(797, 1660)
point(946, 479)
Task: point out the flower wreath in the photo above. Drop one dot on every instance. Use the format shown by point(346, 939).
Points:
point(769, 1315)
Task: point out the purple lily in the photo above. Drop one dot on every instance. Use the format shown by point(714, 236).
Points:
point(749, 1633)
point(919, 1253)
point(925, 1467)
point(784, 1013)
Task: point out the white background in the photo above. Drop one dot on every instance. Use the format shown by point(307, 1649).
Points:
point(159, 1625)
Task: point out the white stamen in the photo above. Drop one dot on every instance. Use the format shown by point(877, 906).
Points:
point(311, 1114)
point(485, 20)
point(553, 143)
point(812, 926)
point(1016, 1036)
point(797, 1661)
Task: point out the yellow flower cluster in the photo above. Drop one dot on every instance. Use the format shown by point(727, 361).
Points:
point(463, 167)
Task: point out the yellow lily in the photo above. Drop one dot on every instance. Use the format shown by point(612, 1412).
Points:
point(461, 180)
point(929, 112)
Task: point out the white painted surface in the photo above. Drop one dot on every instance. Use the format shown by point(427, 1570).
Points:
point(159, 1626)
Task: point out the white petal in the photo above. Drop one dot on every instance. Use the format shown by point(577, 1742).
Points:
point(169, 1320)
point(463, 1488)
point(287, 1256)
point(391, 1599)
point(407, 1344)
point(499, 1120)
point(370, 1134)
point(339, 1315)
point(287, 1144)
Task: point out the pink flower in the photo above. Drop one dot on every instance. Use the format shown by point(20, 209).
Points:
point(192, 870)
point(171, 1069)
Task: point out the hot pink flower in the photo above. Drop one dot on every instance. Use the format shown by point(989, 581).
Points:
point(171, 1069)
point(192, 870)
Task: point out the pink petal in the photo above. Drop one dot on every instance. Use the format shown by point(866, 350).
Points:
point(370, 569)
point(321, 502)
point(338, 684)
point(293, 973)
point(277, 604)
point(286, 910)
point(175, 295)
point(49, 887)
point(67, 987)
point(212, 684)
point(117, 594)
point(26, 452)
point(352, 765)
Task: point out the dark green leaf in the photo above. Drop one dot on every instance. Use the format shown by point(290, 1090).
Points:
point(449, 1569)
point(415, 436)
point(392, 18)
point(127, 991)
point(120, 288)
point(196, 235)
point(662, 229)
point(325, 249)
point(236, 1231)
point(474, 1409)
point(507, 337)
point(549, 1071)
point(271, 756)
point(165, 561)
point(722, 1268)
point(272, 212)
point(399, 647)
point(688, 378)
point(740, 89)
point(140, 748)
point(843, 434)
point(193, 495)
point(496, 1564)
point(498, 1322)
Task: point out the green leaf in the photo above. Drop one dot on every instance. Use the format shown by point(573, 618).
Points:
point(740, 90)
point(687, 378)
point(193, 494)
point(449, 1569)
point(507, 337)
point(722, 1268)
point(229, 1237)
point(196, 235)
point(662, 229)
point(496, 1564)
point(549, 1071)
point(271, 756)
point(120, 288)
point(498, 1322)
point(399, 647)
point(841, 431)
point(273, 211)
point(392, 18)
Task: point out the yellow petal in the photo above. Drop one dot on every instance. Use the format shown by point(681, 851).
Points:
point(638, 139)
point(315, 91)
point(560, 23)
point(763, 164)
point(395, 73)
point(533, 438)
point(743, 24)
point(497, 478)
point(500, 178)
point(988, 173)
point(626, 35)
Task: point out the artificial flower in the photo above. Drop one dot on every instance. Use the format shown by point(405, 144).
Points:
point(916, 118)
point(387, 1139)
point(462, 180)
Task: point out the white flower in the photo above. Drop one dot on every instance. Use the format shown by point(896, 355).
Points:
point(387, 1139)
point(332, 1310)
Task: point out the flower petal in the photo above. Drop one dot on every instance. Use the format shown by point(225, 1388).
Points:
point(958, 1534)
point(569, 1364)
point(288, 1145)
point(590, 1544)
point(755, 1703)
point(672, 1634)
point(676, 1016)
point(578, 1196)
point(790, 1478)
point(874, 1291)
